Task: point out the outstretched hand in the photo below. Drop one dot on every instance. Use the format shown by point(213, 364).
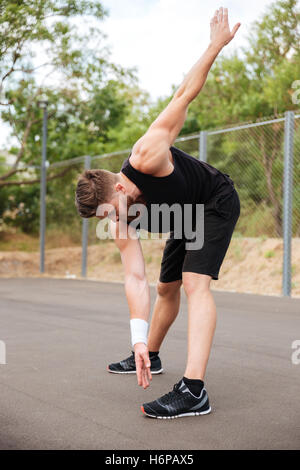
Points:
point(220, 33)
point(143, 365)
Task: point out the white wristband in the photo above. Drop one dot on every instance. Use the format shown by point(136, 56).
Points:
point(139, 331)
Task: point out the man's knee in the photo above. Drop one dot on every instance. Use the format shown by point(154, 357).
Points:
point(168, 289)
point(193, 282)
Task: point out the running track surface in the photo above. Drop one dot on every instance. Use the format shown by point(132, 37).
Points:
point(56, 393)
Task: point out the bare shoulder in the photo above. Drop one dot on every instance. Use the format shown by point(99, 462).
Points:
point(151, 154)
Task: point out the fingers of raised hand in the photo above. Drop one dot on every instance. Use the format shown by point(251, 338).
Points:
point(214, 19)
point(235, 28)
point(220, 15)
point(225, 15)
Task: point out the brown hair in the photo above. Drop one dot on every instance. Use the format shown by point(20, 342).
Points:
point(94, 187)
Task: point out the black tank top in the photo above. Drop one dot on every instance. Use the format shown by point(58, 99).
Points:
point(192, 181)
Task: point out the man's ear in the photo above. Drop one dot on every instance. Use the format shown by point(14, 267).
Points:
point(120, 187)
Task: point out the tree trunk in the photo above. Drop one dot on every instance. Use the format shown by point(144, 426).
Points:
point(268, 158)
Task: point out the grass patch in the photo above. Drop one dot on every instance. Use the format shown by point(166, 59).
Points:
point(115, 257)
point(10, 241)
point(269, 254)
point(256, 221)
point(238, 251)
point(55, 238)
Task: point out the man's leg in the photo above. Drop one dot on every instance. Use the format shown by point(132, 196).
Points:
point(189, 397)
point(201, 323)
point(165, 311)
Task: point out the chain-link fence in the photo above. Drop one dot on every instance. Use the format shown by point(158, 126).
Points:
point(296, 179)
point(262, 158)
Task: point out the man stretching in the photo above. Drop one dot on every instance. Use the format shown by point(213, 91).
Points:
point(158, 173)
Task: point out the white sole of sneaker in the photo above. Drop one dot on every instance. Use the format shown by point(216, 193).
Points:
point(134, 372)
point(183, 415)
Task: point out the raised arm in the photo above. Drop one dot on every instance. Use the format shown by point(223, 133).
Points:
point(137, 293)
point(150, 154)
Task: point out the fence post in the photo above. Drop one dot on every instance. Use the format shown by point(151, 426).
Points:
point(85, 229)
point(203, 146)
point(287, 201)
point(43, 178)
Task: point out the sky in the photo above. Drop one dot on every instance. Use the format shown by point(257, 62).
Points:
point(164, 38)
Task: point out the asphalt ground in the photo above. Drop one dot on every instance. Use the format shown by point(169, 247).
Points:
point(56, 393)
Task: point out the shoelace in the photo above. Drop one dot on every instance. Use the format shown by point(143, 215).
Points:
point(171, 395)
point(131, 359)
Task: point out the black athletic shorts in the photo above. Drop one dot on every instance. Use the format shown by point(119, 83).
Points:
point(220, 217)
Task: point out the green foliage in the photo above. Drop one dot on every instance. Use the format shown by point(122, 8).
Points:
point(21, 208)
point(269, 254)
point(88, 97)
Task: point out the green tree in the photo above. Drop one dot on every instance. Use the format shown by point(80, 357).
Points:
point(45, 51)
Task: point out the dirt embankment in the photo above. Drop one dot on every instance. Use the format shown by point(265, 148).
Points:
point(251, 265)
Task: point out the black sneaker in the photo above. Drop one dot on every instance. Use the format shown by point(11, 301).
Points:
point(128, 366)
point(177, 404)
